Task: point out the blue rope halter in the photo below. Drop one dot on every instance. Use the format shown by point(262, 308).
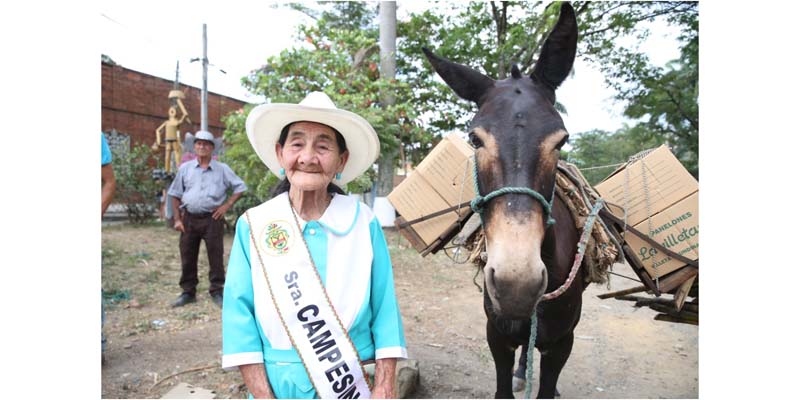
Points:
point(478, 203)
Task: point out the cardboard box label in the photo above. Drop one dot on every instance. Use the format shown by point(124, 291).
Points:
point(647, 186)
point(677, 228)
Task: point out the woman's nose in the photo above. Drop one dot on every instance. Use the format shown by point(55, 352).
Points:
point(307, 155)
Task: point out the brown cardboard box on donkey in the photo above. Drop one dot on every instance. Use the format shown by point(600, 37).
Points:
point(655, 181)
point(662, 201)
point(442, 180)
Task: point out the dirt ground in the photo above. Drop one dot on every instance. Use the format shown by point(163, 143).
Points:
point(619, 351)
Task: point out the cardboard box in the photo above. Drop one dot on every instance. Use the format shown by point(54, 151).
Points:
point(448, 168)
point(676, 228)
point(442, 180)
point(657, 180)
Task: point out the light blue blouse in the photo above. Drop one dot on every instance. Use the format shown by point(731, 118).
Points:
point(377, 325)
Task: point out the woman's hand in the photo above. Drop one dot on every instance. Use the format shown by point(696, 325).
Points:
point(384, 379)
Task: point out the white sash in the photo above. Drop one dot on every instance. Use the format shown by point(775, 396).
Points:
point(314, 328)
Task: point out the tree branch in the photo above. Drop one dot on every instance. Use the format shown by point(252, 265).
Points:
point(582, 8)
point(599, 17)
point(517, 55)
point(500, 24)
point(184, 372)
point(527, 61)
point(640, 19)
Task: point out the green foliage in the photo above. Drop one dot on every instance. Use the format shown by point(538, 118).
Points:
point(338, 54)
point(663, 100)
point(240, 156)
point(666, 104)
point(491, 36)
point(598, 148)
point(136, 188)
point(341, 60)
point(361, 184)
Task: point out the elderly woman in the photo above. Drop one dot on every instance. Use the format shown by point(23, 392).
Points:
point(309, 295)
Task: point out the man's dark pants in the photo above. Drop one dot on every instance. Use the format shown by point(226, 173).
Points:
point(201, 227)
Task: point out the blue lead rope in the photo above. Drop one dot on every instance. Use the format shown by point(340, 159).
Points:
point(531, 346)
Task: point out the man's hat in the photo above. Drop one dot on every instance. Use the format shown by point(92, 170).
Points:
point(265, 122)
point(205, 135)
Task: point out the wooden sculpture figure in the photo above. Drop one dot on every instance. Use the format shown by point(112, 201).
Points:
point(170, 132)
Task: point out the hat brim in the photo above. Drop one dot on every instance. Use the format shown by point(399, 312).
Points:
point(265, 122)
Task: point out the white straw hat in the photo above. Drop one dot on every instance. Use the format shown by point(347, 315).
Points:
point(265, 122)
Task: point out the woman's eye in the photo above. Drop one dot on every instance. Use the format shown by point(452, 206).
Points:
point(475, 141)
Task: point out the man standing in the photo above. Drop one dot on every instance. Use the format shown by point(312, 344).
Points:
point(199, 205)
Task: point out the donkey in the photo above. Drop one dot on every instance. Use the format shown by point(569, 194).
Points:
point(517, 134)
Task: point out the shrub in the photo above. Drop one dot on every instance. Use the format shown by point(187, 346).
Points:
point(136, 188)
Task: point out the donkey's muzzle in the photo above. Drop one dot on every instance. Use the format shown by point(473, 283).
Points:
point(514, 292)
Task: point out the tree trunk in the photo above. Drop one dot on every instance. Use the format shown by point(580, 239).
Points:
point(501, 24)
point(386, 166)
point(388, 34)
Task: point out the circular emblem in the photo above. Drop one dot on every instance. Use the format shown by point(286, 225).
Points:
point(277, 238)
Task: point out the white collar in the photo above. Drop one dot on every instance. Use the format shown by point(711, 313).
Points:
point(340, 216)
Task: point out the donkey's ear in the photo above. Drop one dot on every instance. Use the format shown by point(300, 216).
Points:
point(558, 52)
point(465, 81)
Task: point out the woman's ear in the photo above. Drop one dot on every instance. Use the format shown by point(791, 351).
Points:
point(279, 153)
point(343, 158)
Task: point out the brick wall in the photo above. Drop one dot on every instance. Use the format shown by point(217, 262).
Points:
point(135, 103)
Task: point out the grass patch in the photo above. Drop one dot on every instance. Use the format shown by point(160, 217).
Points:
point(193, 315)
point(140, 275)
point(115, 296)
point(141, 327)
point(151, 277)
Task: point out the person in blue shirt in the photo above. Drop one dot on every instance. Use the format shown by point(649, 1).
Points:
point(107, 180)
point(199, 204)
point(108, 185)
point(274, 341)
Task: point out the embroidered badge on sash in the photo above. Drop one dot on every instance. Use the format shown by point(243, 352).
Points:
point(278, 238)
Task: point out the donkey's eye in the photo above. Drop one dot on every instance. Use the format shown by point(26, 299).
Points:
point(562, 142)
point(474, 140)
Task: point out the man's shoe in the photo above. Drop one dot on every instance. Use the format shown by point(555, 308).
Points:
point(217, 299)
point(184, 299)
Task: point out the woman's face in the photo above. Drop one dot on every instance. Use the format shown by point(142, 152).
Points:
point(310, 156)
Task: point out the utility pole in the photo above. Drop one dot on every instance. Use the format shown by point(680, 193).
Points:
point(204, 93)
point(387, 15)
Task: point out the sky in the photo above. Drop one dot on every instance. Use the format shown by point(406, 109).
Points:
point(242, 35)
